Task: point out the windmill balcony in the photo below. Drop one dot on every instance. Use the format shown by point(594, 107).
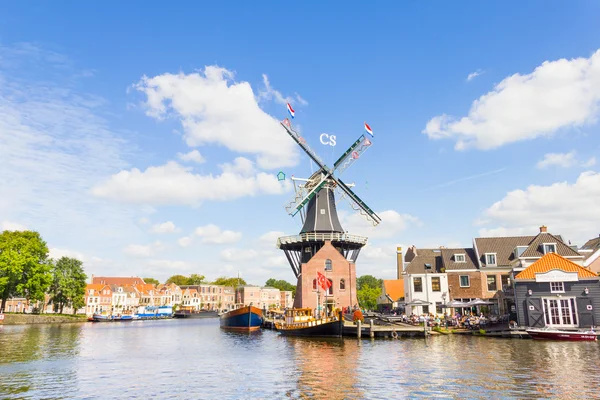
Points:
point(321, 237)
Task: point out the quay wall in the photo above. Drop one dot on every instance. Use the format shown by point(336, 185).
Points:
point(23, 319)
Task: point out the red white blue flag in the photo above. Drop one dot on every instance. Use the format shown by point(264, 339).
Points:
point(368, 129)
point(291, 110)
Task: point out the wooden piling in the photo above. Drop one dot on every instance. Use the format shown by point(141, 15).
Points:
point(371, 333)
point(358, 329)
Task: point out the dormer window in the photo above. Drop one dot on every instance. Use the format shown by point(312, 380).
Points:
point(490, 259)
point(459, 258)
point(549, 248)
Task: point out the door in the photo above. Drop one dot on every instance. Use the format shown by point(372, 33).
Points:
point(585, 311)
point(534, 313)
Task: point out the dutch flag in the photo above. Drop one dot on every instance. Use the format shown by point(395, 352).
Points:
point(368, 129)
point(291, 110)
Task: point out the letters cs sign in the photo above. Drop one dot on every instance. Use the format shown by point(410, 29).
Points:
point(327, 139)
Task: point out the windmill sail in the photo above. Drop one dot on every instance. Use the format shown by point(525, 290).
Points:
point(360, 205)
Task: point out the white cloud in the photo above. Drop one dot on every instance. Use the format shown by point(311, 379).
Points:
point(391, 224)
point(165, 227)
point(140, 250)
point(193, 156)
point(175, 184)
point(59, 253)
point(474, 75)
point(563, 160)
point(215, 110)
point(237, 255)
point(185, 241)
point(12, 226)
point(212, 234)
point(175, 265)
point(589, 163)
point(556, 95)
point(269, 239)
point(572, 210)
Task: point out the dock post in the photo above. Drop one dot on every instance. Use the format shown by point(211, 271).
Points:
point(358, 329)
point(371, 333)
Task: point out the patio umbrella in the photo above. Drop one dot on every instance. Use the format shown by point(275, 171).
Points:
point(478, 302)
point(455, 304)
point(417, 302)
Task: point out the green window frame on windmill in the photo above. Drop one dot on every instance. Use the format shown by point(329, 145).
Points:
point(328, 265)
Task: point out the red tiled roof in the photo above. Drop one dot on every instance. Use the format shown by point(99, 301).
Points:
point(554, 261)
point(118, 280)
point(394, 288)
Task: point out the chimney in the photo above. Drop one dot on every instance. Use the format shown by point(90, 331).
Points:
point(543, 229)
point(399, 262)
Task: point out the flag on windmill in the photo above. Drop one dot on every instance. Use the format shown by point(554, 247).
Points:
point(291, 110)
point(368, 129)
point(323, 281)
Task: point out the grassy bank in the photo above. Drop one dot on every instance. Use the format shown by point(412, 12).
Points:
point(22, 319)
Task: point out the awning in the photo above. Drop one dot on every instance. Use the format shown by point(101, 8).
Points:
point(478, 302)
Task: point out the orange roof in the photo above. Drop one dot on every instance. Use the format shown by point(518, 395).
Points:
point(394, 288)
point(554, 261)
point(118, 280)
point(95, 286)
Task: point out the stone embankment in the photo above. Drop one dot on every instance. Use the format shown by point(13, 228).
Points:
point(22, 319)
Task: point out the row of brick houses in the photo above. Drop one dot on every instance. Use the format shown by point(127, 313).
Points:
point(433, 277)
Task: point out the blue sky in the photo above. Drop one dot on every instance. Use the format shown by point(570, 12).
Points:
point(142, 137)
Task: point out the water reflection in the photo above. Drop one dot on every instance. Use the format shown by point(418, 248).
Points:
point(195, 359)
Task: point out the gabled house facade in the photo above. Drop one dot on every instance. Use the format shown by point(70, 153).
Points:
point(465, 280)
point(556, 292)
point(591, 252)
point(425, 282)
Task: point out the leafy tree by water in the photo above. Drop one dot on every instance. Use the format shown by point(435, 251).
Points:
point(68, 284)
point(368, 289)
point(180, 280)
point(235, 282)
point(368, 280)
point(24, 266)
point(196, 279)
point(151, 281)
point(281, 285)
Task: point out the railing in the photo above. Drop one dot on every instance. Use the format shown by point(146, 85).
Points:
point(321, 237)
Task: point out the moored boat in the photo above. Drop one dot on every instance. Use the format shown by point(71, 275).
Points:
point(558, 334)
point(245, 319)
point(301, 322)
point(111, 318)
point(196, 314)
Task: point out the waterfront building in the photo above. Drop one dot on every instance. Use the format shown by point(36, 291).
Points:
point(17, 305)
point(190, 299)
point(98, 298)
point(287, 299)
point(118, 280)
point(591, 252)
point(425, 283)
point(270, 298)
point(556, 292)
point(248, 295)
point(228, 298)
point(392, 295)
point(465, 281)
point(118, 299)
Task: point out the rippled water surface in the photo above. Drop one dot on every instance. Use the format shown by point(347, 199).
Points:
point(195, 359)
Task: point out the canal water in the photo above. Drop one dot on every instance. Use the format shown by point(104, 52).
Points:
point(194, 359)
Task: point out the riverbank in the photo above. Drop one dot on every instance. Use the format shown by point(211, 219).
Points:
point(25, 319)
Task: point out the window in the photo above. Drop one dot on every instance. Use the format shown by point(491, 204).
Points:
point(425, 309)
point(342, 284)
point(459, 258)
point(307, 250)
point(418, 284)
point(438, 308)
point(464, 281)
point(505, 281)
point(560, 312)
point(314, 284)
point(435, 284)
point(549, 248)
point(328, 266)
point(491, 282)
point(490, 258)
point(557, 287)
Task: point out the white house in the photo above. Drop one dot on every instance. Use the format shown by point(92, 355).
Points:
point(425, 285)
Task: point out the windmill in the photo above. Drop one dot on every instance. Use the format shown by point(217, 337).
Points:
point(314, 199)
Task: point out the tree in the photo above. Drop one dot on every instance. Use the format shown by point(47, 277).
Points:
point(368, 280)
point(179, 280)
point(151, 281)
point(281, 285)
point(196, 279)
point(68, 284)
point(24, 266)
point(224, 281)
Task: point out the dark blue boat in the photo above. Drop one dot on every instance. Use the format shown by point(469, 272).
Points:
point(243, 319)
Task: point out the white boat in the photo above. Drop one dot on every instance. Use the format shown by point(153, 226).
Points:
point(560, 334)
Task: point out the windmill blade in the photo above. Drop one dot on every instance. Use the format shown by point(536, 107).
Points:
point(352, 154)
point(357, 203)
point(302, 143)
point(304, 196)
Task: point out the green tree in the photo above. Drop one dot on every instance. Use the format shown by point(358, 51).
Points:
point(151, 281)
point(281, 285)
point(68, 284)
point(367, 297)
point(368, 280)
point(24, 266)
point(179, 280)
point(196, 279)
point(235, 282)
